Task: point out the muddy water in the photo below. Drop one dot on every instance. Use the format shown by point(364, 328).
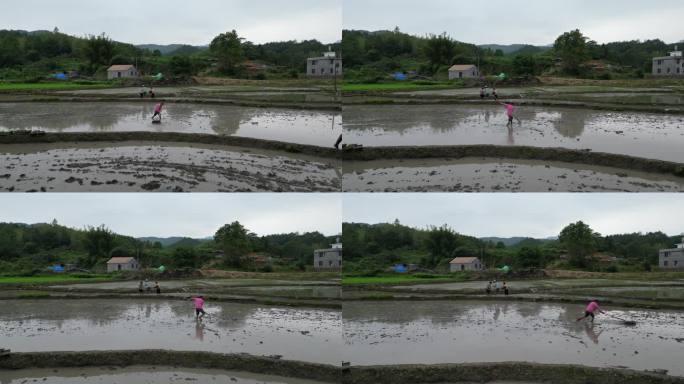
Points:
point(116, 167)
point(657, 136)
point(140, 374)
point(288, 125)
point(451, 332)
point(528, 285)
point(491, 175)
point(312, 335)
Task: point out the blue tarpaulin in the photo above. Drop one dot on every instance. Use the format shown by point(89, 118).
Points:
point(57, 268)
point(399, 76)
point(60, 76)
point(400, 268)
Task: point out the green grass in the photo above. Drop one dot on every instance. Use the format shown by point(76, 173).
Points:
point(394, 87)
point(48, 279)
point(56, 86)
point(399, 279)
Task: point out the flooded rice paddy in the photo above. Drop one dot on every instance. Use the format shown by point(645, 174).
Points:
point(656, 136)
point(312, 335)
point(117, 167)
point(491, 175)
point(433, 332)
point(319, 128)
point(140, 374)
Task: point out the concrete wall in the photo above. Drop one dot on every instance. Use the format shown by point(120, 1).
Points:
point(668, 66)
point(671, 258)
point(130, 266)
point(323, 67)
point(474, 266)
point(469, 74)
point(328, 259)
point(131, 73)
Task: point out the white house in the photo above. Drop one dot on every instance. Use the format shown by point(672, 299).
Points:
point(122, 264)
point(672, 65)
point(465, 264)
point(122, 72)
point(329, 259)
point(672, 258)
point(328, 65)
point(463, 71)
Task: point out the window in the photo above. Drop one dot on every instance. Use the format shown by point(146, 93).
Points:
point(462, 267)
point(118, 267)
point(313, 62)
point(322, 71)
point(313, 71)
point(331, 71)
point(666, 254)
point(678, 70)
point(320, 263)
point(660, 62)
point(665, 263)
point(329, 263)
point(658, 70)
point(332, 61)
point(676, 262)
point(337, 65)
point(668, 70)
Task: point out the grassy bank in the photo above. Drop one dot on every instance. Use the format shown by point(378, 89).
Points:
point(49, 279)
point(53, 86)
point(401, 279)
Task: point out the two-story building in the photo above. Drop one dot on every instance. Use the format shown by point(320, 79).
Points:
point(329, 259)
point(672, 65)
point(328, 65)
point(672, 258)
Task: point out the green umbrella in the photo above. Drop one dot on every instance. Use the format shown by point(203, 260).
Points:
point(161, 268)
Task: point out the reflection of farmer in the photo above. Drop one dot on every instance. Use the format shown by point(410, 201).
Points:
point(199, 331)
point(158, 110)
point(338, 141)
point(589, 329)
point(590, 311)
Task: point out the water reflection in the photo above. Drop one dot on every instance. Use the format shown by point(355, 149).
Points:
point(300, 126)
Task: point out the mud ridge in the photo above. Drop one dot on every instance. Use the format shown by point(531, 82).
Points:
point(176, 137)
point(189, 359)
point(485, 372)
point(517, 152)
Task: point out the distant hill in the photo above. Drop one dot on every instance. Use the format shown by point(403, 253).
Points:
point(517, 48)
point(170, 49)
point(174, 241)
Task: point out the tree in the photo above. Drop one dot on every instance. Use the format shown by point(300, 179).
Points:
point(571, 47)
point(524, 65)
point(580, 241)
point(181, 66)
point(99, 242)
point(439, 49)
point(99, 50)
point(227, 47)
point(530, 258)
point(185, 257)
point(233, 238)
point(440, 243)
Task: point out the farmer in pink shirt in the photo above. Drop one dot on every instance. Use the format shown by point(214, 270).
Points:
point(510, 109)
point(591, 309)
point(157, 110)
point(199, 307)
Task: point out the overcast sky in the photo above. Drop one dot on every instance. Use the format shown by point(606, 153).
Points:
point(194, 22)
point(536, 22)
point(523, 214)
point(192, 215)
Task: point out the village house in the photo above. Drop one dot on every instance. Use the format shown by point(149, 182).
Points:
point(672, 65)
point(122, 264)
point(463, 71)
point(672, 258)
point(328, 65)
point(329, 259)
point(465, 264)
point(126, 71)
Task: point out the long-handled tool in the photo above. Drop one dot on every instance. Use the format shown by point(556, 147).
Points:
point(625, 322)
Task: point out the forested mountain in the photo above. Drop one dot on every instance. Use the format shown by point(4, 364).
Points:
point(373, 247)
